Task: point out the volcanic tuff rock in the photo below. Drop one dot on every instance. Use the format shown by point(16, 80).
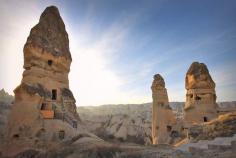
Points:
point(223, 126)
point(119, 123)
point(200, 105)
point(198, 77)
point(50, 34)
point(163, 117)
point(82, 146)
point(124, 122)
point(44, 109)
point(158, 82)
point(159, 92)
point(44, 123)
point(99, 118)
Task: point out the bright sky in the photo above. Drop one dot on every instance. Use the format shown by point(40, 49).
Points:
point(118, 45)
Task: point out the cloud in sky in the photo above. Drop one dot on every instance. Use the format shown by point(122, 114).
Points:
point(117, 47)
point(92, 79)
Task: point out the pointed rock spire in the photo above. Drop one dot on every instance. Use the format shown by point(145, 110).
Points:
point(198, 76)
point(158, 82)
point(50, 34)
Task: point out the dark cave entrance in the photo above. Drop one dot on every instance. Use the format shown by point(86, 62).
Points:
point(54, 94)
point(50, 62)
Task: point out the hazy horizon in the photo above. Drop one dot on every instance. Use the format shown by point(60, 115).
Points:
point(117, 46)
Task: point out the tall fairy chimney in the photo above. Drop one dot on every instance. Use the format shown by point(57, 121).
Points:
point(162, 115)
point(44, 107)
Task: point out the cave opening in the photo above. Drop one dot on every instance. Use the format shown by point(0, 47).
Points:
point(50, 62)
point(54, 94)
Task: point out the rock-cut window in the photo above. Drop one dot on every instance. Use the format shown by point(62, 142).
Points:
point(43, 106)
point(168, 128)
point(50, 62)
point(61, 134)
point(74, 124)
point(198, 98)
point(54, 94)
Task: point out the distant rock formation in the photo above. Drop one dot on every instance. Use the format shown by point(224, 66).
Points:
point(5, 97)
point(130, 123)
point(162, 116)
point(200, 105)
point(44, 108)
point(6, 101)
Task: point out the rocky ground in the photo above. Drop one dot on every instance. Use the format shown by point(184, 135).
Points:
point(126, 132)
point(129, 123)
point(86, 147)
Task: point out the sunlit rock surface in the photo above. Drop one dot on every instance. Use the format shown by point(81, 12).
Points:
point(163, 118)
point(200, 105)
point(44, 109)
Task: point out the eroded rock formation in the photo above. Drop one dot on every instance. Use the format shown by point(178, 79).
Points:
point(162, 116)
point(44, 107)
point(6, 97)
point(223, 126)
point(200, 105)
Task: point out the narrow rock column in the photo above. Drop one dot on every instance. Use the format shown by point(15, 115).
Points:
point(162, 115)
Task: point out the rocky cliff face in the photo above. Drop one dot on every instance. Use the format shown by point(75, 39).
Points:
point(200, 105)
